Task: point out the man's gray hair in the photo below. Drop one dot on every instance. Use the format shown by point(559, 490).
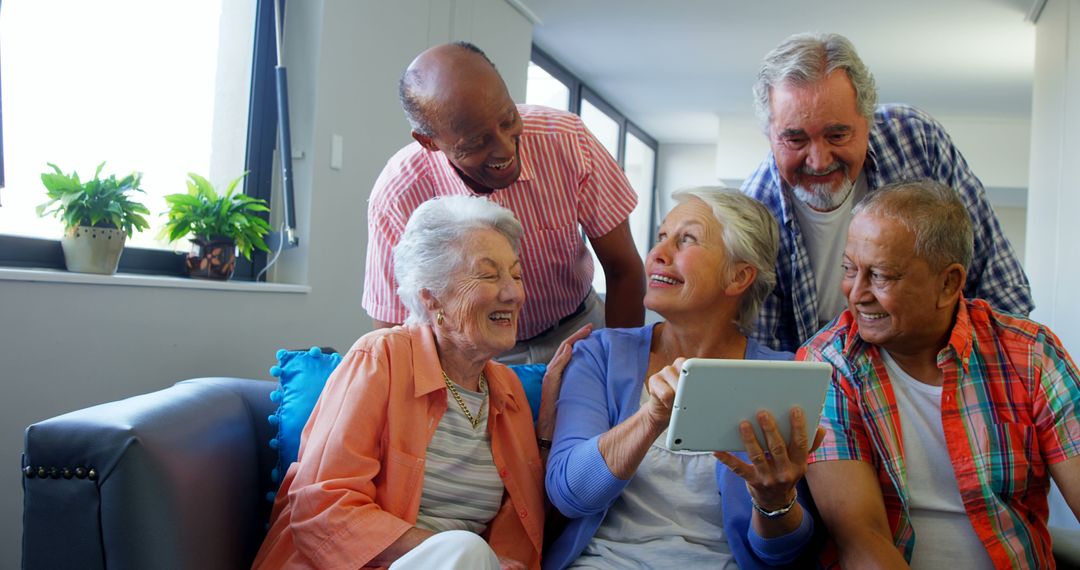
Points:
point(930, 210)
point(430, 251)
point(750, 236)
point(803, 59)
point(414, 105)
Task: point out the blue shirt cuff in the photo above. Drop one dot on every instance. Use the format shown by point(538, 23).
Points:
point(590, 479)
point(785, 548)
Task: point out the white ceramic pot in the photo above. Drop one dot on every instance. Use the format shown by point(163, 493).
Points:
point(93, 250)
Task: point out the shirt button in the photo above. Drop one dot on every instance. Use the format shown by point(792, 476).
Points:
point(502, 473)
point(523, 513)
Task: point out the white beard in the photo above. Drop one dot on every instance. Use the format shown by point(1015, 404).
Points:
point(822, 197)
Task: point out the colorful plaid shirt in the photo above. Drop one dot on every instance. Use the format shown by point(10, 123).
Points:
point(1010, 406)
point(905, 144)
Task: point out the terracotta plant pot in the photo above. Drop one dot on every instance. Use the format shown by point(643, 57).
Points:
point(211, 259)
point(92, 250)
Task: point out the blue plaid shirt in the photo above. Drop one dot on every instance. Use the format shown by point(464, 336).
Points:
point(905, 144)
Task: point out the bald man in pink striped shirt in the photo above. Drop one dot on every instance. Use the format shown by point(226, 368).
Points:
point(542, 164)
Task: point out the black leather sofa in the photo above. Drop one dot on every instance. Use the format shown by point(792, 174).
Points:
point(177, 478)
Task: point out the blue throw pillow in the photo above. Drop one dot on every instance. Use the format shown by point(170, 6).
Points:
point(532, 377)
point(302, 374)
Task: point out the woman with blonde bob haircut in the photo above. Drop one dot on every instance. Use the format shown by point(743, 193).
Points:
point(421, 451)
point(631, 501)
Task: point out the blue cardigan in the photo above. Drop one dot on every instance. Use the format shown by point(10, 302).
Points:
point(602, 388)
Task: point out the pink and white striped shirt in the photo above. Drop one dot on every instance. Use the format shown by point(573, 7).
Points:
point(567, 179)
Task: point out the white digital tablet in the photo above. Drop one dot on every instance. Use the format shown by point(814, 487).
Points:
point(714, 395)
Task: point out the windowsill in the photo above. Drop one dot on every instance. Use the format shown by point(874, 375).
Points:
point(134, 280)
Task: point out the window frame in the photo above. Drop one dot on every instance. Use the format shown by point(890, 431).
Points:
point(654, 199)
point(556, 70)
point(579, 90)
point(39, 253)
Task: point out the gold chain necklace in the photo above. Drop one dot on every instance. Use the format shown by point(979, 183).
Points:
point(461, 403)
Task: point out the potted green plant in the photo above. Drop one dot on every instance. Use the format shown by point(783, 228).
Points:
point(98, 217)
point(219, 224)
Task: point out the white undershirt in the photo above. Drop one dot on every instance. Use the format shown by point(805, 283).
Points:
point(668, 516)
point(462, 488)
point(944, 537)
point(825, 234)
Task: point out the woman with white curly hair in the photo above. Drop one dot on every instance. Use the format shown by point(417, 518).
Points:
point(421, 451)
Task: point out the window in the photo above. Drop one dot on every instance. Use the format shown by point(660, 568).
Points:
point(163, 89)
point(602, 125)
point(542, 88)
point(549, 83)
point(639, 163)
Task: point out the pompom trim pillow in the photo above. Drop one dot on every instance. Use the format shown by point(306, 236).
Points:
point(301, 374)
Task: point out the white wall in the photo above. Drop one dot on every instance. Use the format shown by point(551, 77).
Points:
point(1052, 197)
point(1014, 224)
point(682, 166)
point(1053, 200)
point(65, 346)
point(996, 148)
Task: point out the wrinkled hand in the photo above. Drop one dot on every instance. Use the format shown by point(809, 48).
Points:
point(775, 469)
point(552, 382)
point(511, 564)
point(661, 388)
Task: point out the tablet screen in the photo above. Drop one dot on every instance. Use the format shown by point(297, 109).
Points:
point(714, 395)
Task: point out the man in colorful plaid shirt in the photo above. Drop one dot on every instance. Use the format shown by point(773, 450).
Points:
point(816, 100)
point(946, 418)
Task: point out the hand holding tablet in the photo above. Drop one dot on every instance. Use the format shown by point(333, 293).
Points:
point(766, 408)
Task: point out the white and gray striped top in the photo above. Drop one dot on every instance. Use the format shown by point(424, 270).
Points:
point(462, 488)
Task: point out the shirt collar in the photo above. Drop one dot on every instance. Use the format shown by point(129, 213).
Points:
point(854, 343)
point(870, 165)
point(787, 209)
point(428, 375)
point(427, 371)
point(960, 336)
point(527, 170)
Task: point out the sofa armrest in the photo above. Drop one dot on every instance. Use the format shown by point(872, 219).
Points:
point(172, 479)
point(1066, 547)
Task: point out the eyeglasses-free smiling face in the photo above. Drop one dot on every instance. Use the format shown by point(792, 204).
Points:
point(476, 123)
point(686, 267)
point(484, 147)
point(483, 301)
point(818, 138)
point(892, 293)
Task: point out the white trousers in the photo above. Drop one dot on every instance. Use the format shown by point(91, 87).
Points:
point(450, 549)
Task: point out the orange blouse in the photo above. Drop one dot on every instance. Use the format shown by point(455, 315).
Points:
point(356, 486)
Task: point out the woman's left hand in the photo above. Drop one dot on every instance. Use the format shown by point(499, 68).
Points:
point(777, 466)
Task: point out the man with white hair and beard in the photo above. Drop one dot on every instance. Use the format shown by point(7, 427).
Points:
point(831, 145)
